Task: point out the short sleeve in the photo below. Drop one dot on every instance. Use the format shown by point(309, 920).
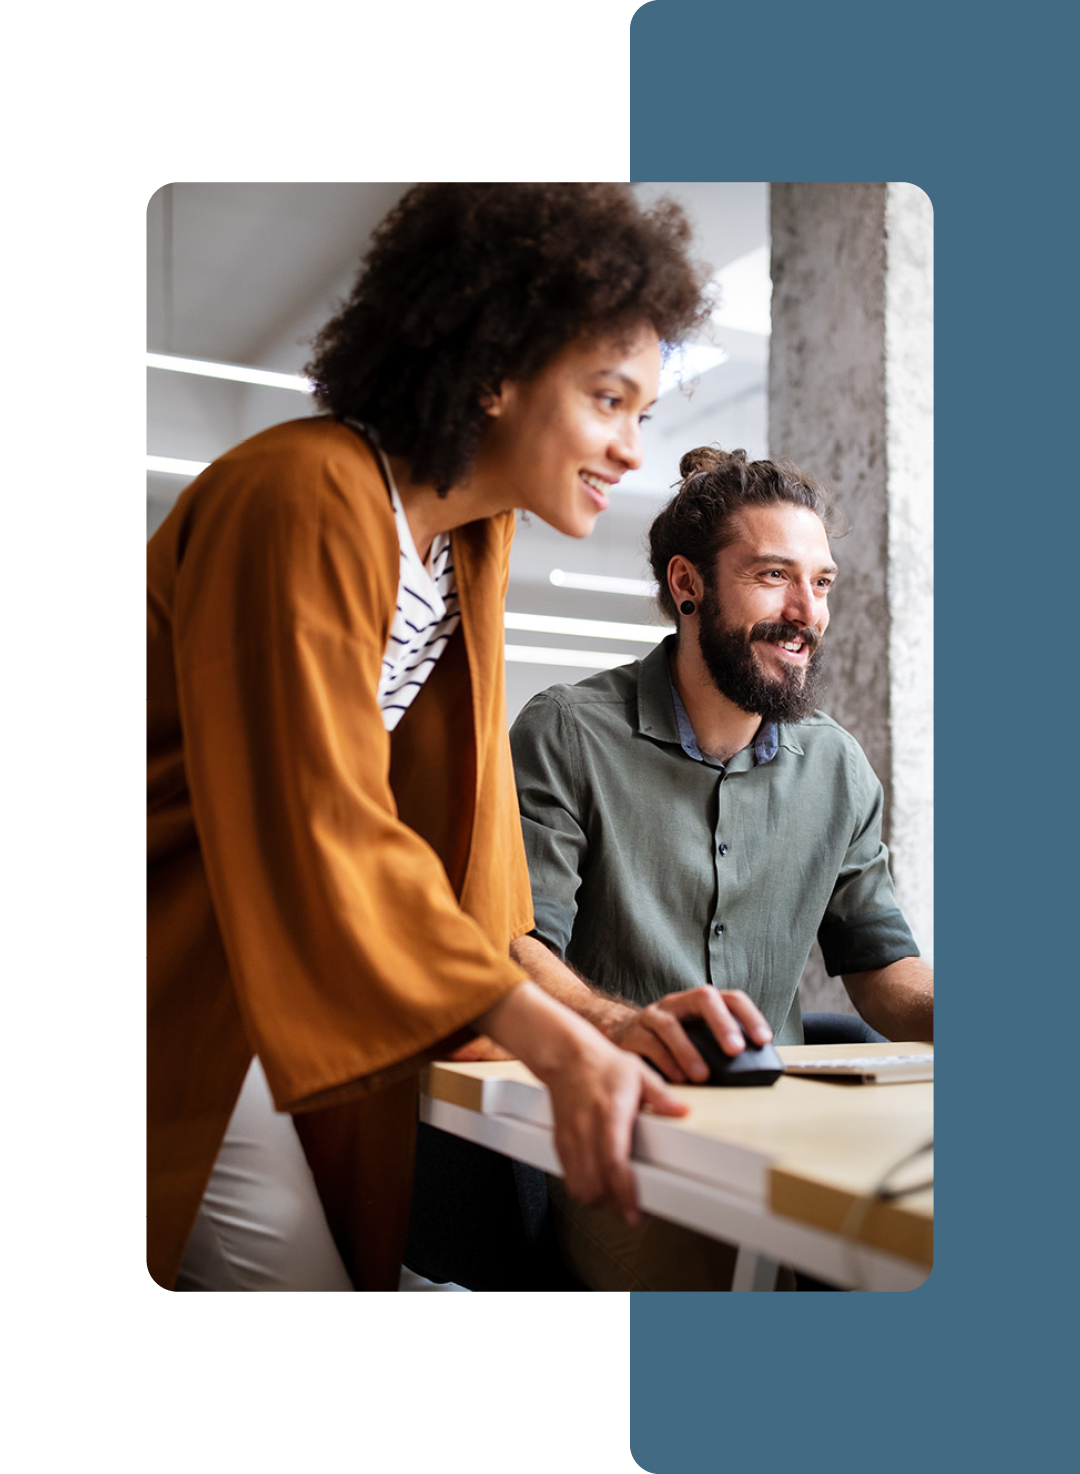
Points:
point(544, 745)
point(863, 927)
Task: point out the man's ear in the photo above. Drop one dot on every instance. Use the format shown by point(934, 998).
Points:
point(684, 581)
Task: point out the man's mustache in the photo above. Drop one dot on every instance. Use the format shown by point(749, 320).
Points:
point(778, 634)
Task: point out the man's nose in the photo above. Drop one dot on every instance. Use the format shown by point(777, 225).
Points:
point(800, 606)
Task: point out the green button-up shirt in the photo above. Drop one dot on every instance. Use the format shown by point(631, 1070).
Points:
point(655, 869)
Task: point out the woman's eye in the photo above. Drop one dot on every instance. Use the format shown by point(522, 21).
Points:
point(611, 400)
point(644, 419)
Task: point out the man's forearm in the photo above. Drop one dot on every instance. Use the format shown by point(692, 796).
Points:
point(897, 1000)
point(655, 1032)
point(609, 1015)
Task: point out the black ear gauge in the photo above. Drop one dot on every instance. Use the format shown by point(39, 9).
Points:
point(688, 606)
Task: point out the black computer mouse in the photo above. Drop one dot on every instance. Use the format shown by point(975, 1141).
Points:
point(758, 1064)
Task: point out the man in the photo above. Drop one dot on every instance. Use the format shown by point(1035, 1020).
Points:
point(692, 822)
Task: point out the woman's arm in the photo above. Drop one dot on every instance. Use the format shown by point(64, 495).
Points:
point(596, 1091)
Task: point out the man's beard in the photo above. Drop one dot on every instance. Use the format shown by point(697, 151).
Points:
point(736, 673)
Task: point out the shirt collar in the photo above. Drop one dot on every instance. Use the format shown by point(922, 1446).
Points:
point(662, 715)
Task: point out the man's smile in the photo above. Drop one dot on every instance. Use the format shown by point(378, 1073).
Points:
point(794, 650)
point(794, 646)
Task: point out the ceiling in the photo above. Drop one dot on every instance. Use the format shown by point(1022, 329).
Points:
point(247, 273)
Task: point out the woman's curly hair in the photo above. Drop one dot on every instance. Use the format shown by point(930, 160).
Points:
point(699, 519)
point(468, 285)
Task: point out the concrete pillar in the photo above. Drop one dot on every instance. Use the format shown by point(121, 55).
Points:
point(851, 401)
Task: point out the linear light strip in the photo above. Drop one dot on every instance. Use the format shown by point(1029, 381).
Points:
point(590, 629)
point(237, 372)
point(173, 467)
point(589, 659)
point(687, 363)
point(599, 583)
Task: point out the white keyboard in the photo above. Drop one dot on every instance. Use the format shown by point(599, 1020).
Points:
point(881, 1068)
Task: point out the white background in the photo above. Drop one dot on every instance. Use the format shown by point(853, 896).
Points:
point(102, 105)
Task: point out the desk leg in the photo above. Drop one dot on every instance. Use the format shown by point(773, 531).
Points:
point(754, 1271)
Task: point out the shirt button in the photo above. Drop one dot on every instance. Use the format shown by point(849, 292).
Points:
point(719, 928)
point(723, 849)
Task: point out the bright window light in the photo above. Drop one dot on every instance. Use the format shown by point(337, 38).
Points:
point(745, 290)
point(240, 374)
point(589, 659)
point(689, 362)
point(173, 467)
point(590, 629)
point(599, 583)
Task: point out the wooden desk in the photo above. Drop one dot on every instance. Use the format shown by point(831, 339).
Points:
point(788, 1171)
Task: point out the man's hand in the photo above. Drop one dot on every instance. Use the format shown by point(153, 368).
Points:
point(656, 1033)
point(596, 1092)
point(478, 1049)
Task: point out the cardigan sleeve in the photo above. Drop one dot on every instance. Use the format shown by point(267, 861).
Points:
point(347, 947)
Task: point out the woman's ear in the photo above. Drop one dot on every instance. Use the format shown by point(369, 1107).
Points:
point(494, 401)
point(491, 402)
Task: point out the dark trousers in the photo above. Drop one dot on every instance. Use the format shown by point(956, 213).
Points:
point(480, 1219)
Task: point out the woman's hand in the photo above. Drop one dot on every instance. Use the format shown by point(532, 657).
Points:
point(596, 1090)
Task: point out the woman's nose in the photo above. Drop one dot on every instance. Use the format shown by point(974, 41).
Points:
point(627, 447)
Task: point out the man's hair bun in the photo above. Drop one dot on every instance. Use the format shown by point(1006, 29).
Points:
point(708, 458)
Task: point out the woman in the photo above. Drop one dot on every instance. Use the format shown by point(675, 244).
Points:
point(336, 869)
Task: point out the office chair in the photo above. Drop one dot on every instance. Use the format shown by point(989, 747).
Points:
point(838, 1028)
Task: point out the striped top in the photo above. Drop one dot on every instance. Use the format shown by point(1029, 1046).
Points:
point(427, 613)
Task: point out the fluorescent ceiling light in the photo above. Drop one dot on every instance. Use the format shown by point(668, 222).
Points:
point(590, 629)
point(745, 294)
point(589, 659)
point(599, 583)
point(234, 371)
point(172, 467)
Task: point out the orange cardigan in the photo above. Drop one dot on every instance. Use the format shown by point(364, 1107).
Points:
point(337, 901)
